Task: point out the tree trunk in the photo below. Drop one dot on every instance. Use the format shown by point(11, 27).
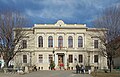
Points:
point(6, 62)
point(110, 64)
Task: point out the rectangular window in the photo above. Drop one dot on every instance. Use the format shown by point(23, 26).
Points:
point(80, 58)
point(95, 58)
point(50, 58)
point(40, 58)
point(24, 58)
point(70, 58)
point(95, 43)
point(24, 44)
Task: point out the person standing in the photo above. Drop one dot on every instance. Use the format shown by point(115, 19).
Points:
point(82, 69)
point(77, 68)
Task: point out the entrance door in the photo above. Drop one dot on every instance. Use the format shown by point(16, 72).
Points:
point(60, 59)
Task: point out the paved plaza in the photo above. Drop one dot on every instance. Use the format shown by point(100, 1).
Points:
point(47, 74)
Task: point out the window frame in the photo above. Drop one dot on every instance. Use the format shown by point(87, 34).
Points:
point(25, 59)
point(96, 58)
point(40, 58)
point(70, 58)
point(50, 58)
point(96, 44)
point(50, 41)
point(80, 41)
point(60, 41)
point(80, 58)
point(40, 41)
point(70, 42)
point(24, 44)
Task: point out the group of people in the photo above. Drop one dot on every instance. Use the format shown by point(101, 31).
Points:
point(80, 69)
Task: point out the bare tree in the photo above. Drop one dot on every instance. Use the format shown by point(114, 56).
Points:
point(109, 19)
point(10, 45)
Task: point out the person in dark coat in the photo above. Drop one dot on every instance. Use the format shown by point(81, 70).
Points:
point(82, 69)
point(77, 68)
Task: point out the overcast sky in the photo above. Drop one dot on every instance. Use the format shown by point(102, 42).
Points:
point(49, 11)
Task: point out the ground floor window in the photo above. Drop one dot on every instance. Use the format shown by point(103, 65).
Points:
point(50, 58)
point(70, 58)
point(40, 58)
point(95, 58)
point(80, 58)
point(24, 58)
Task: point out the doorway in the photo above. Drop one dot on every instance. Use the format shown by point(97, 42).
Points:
point(60, 59)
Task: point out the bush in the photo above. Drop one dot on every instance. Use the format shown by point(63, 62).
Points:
point(52, 65)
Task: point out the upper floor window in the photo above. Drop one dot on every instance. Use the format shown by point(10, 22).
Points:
point(40, 41)
point(24, 43)
point(80, 41)
point(24, 58)
point(50, 41)
point(70, 58)
point(60, 41)
point(40, 58)
point(70, 42)
point(95, 43)
point(95, 58)
point(80, 58)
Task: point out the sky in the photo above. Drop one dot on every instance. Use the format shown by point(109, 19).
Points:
point(50, 11)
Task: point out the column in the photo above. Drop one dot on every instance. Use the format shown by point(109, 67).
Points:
point(65, 61)
point(75, 41)
point(55, 40)
point(65, 40)
point(56, 60)
point(45, 42)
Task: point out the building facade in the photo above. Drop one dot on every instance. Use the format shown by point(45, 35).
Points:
point(67, 44)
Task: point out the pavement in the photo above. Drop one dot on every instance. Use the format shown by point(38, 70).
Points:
point(48, 73)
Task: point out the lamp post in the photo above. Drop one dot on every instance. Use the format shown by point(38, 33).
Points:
point(89, 60)
point(54, 55)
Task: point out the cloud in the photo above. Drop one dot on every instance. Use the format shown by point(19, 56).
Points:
point(71, 11)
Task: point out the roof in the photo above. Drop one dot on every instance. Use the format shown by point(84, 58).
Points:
point(60, 24)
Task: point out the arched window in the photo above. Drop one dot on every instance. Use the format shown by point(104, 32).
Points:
point(70, 42)
point(50, 41)
point(80, 41)
point(40, 41)
point(60, 41)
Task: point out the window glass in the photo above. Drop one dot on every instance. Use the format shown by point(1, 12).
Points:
point(24, 58)
point(60, 41)
point(95, 43)
point(70, 58)
point(50, 41)
point(80, 58)
point(95, 58)
point(24, 44)
point(40, 58)
point(40, 41)
point(80, 41)
point(70, 42)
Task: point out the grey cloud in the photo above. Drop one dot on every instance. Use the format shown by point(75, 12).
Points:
point(71, 11)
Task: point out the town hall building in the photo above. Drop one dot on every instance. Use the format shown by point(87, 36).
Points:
point(67, 44)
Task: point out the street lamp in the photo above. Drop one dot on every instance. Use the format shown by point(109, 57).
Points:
point(54, 55)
